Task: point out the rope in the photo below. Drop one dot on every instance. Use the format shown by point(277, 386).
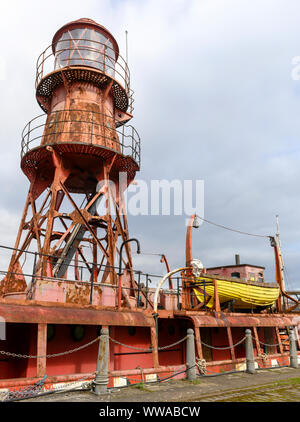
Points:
point(201, 365)
point(264, 356)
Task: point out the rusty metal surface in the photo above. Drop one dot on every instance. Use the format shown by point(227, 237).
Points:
point(33, 312)
point(239, 320)
point(14, 281)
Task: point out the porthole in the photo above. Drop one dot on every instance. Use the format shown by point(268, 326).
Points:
point(131, 331)
point(171, 330)
point(50, 332)
point(77, 332)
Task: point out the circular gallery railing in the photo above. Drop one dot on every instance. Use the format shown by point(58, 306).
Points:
point(83, 127)
point(85, 53)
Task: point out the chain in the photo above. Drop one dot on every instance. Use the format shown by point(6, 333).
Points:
point(222, 348)
point(130, 347)
point(150, 348)
point(37, 388)
point(276, 344)
point(27, 392)
point(173, 344)
point(16, 355)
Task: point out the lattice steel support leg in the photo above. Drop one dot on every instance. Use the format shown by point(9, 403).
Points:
point(293, 349)
point(250, 363)
point(101, 380)
point(190, 355)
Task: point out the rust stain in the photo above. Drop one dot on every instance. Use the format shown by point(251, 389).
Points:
point(13, 282)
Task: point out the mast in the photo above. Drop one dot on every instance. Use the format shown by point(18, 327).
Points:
point(280, 263)
point(279, 250)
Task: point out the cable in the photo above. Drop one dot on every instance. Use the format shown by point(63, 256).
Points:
point(231, 229)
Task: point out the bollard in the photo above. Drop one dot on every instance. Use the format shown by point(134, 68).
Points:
point(293, 349)
point(190, 355)
point(250, 364)
point(101, 380)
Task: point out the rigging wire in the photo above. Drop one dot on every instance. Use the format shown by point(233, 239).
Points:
point(231, 229)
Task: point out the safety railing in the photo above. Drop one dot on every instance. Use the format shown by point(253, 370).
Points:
point(81, 126)
point(85, 53)
point(82, 269)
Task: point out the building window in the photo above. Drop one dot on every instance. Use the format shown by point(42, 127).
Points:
point(260, 277)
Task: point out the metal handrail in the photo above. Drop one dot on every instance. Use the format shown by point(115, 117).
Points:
point(127, 139)
point(104, 60)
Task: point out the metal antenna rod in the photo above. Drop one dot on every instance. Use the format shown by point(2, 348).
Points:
point(126, 42)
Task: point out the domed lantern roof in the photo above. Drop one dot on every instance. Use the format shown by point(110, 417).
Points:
point(87, 26)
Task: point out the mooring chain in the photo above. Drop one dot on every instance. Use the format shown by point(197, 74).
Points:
point(223, 348)
point(17, 355)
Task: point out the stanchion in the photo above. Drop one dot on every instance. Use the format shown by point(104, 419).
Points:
point(293, 349)
point(190, 355)
point(250, 363)
point(101, 380)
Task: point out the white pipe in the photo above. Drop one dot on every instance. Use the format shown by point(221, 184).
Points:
point(162, 282)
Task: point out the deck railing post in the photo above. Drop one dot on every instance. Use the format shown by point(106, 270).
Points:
point(250, 363)
point(41, 349)
point(190, 355)
point(101, 380)
point(293, 349)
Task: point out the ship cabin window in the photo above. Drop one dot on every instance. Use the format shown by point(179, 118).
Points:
point(236, 275)
point(260, 277)
point(252, 277)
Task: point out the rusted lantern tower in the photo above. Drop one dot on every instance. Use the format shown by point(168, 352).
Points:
point(72, 155)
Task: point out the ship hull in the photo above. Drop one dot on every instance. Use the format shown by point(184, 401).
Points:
point(132, 333)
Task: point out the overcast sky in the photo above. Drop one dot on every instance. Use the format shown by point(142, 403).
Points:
point(214, 100)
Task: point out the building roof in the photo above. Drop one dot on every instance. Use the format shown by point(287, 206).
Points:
point(235, 266)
